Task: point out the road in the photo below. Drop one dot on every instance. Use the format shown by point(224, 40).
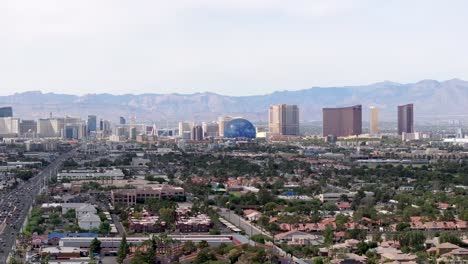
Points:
point(16, 204)
point(241, 223)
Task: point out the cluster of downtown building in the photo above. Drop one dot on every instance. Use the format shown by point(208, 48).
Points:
point(283, 121)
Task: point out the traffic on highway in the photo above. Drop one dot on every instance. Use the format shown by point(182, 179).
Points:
point(15, 204)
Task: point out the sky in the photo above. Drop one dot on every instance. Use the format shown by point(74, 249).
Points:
point(231, 47)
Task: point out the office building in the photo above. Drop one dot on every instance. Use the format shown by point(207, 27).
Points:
point(284, 119)
point(105, 127)
point(185, 130)
point(6, 111)
point(210, 129)
point(92, 123)
point(374, 120)
point(342, 122)
point(73, 131)
point(197, 133)
point(122, 120)
point(161, 191)
point(222, 120)
point(405, 119)
point(133, 133)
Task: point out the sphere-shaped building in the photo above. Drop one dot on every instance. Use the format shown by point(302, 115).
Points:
point(239, 128)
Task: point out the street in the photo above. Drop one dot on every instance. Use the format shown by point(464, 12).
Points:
point(15, 205)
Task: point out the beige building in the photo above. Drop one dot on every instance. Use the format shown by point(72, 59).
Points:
point(284, 119)
point(210, 129)
point(9, 126)
point(374, 120)
point(222, 120)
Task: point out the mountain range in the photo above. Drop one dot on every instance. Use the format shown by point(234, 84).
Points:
point(432, 100)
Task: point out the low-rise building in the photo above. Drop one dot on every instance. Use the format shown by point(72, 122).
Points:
point(114, 174)
point(159, 191)
point(200, 223)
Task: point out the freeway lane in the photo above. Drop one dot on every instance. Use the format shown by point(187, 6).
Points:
point(15, 204)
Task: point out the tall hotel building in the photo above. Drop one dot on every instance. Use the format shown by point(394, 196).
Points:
point(222, 120)
point(284, 119)
point(374, 120)
point(342, 122)
point(405, 119)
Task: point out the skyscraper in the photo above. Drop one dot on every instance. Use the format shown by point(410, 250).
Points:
point(405, 119)
point(92, 123)
point(185, 129)
point(6, 111)
point(210, 129)
point(222, 120)
point(284, 119)
point(122, 120)
point(197, 133)
point(374, 120)
point(342, 122)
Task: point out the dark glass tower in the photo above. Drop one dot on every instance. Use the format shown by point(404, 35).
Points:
point(405, 119)
point(6, 111)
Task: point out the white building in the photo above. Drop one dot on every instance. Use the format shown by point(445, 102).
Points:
point(9, 126)
point(80, 208)
point(89, 221)
point(114, 174)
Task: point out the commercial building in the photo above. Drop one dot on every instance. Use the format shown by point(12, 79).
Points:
point(114, 242)
point(374, 120)
point(222, 120)
point(6, 111)
point(284, 119)
point(405, 119)
point(114, 174)
point(342, 122)
point(49, 127)
point(9, 126)
point(185, 129)
point(210, 129)
point(92, 123)
point(133, 133)
point(122, 120)
point(197, 133)
point(28, 127)
point(159, 191)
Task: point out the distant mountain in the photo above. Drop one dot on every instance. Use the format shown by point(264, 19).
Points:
point(432, 99)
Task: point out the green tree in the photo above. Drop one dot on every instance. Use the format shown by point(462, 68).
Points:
point(123, 249)
point(328, 235)
point(450, 238)
point(95, 247)
point(413, 240)
point(188, 247)
point(204, 256)
point(203, 244)
point(104, 228)
point(318, 260)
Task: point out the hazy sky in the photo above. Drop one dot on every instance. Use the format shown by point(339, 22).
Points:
point(235, 47)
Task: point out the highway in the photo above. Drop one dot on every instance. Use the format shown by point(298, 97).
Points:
point(16, 204)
